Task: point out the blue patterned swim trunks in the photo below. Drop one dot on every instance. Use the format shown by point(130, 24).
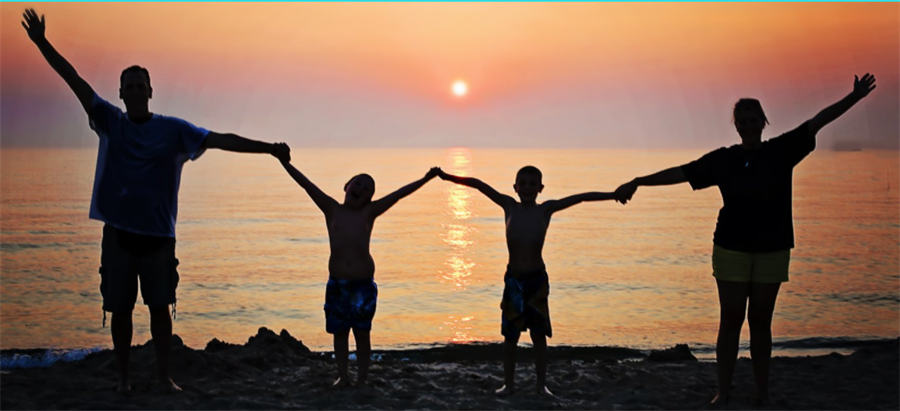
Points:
point(525, 303)
point(349, 304)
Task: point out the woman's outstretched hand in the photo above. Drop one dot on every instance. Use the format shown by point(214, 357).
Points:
point(863, 86)
point(625, 192)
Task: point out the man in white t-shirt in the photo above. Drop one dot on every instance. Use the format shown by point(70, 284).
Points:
point(135, 194)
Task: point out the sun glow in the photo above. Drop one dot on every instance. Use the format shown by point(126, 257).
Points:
point(460, 88)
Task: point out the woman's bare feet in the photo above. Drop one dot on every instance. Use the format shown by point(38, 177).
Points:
point(505, 391)
point(763, 400)
point(719, 402)
point(342, 382)
point(169, 385)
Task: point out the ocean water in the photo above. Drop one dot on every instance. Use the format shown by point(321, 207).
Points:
point(254, 250)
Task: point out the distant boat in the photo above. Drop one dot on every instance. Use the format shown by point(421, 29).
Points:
point(846, 146)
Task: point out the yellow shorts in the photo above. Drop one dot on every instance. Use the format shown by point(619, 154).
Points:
point(744, 267)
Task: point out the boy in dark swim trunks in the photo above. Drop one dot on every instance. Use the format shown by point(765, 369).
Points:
point(524, 303)
point(351, 293)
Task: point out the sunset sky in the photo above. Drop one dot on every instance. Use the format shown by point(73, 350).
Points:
point(631, 75)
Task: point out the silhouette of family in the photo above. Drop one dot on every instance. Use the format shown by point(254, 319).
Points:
point(135, 195)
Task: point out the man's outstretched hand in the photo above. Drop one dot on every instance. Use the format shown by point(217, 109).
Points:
point(282, 152)
point(33, 26)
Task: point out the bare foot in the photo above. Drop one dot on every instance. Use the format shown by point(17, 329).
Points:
point(544, 391)
point(763, 400)
point(124, 388)
point(719, 402)
point(169, 385)
point(342, 382)
point(505, 391)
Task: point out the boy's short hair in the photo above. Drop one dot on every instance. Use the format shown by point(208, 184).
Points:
point(529, 170)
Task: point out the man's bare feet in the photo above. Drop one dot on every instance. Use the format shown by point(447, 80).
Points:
point(342, 382)
point(169, 385)
point(544, 391)
point(505, 390)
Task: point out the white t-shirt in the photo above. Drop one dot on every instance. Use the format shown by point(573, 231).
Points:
point(139, 169)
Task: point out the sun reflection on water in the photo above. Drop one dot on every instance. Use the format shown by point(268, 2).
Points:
point(460, 328)
point(458, 235)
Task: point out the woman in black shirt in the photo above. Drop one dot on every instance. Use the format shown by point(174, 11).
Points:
point(754, 233)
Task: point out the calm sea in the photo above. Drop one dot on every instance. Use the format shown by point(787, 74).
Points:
point(254, 249)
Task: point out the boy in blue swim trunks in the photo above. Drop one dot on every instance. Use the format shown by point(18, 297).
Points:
point(351, 293)
point(524, 305)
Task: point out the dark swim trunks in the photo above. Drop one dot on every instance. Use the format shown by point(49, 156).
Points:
point(349, 304)
point(525, 304)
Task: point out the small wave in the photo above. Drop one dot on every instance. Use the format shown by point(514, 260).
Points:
point(487, 219)
point(13, 247)
point(313, 240)
point(603, 287)
point(324, 240)
point(38, 359)
point(831, 342)
point(17, 247)
point(873, 299)
point(46, 232)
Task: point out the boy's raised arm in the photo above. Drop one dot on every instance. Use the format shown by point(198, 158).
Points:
point(384, 203)
point(553, 206)
point(322, 200)
point(501, 200)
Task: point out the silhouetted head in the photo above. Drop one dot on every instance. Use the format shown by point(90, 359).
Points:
point(528, 183)
point(359, 190)
point(134, 87)
point(749, 119)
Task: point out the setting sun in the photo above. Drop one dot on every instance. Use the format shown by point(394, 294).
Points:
point(460, 88)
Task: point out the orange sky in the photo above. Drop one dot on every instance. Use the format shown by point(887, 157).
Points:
point(365, 74)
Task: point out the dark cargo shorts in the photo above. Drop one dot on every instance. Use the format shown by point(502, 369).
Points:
point(125, 256)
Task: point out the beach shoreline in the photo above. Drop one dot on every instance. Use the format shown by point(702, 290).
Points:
point(276, 371)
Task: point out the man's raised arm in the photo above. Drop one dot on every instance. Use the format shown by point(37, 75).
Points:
point(35, 28)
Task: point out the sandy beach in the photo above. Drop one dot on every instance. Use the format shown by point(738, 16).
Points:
point(273, 371)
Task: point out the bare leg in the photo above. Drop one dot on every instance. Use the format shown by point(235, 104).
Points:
point(759, 315)
point(121, 329)
point(732, 308)
point(161, 331)
point(509, 365)
point(540, 362)
point(363, 354)
point(341, 351)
